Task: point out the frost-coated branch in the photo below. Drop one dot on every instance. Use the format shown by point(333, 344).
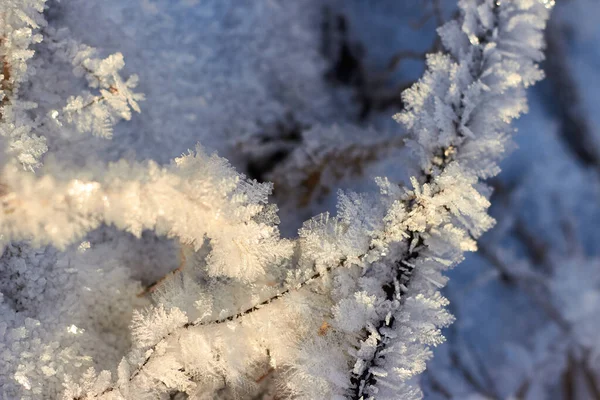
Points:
point(197, 195)
point(351, 308)
point(390, 311)
point(458, 117)
point(115, 99)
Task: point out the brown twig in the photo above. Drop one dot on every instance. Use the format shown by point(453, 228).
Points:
point(374, 91)
point(5, 84)
point(154, 285)
point(338, 162)
point(230, 318)
point(265, 375)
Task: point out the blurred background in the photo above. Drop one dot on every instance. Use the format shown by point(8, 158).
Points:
point(302, 93)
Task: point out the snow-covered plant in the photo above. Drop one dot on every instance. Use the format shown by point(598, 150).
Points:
point(349, 309)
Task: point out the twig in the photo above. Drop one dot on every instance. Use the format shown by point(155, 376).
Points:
point(229, 318)
point(152, 287)
point(340, 160)
point(574, 130)
point(5, 84)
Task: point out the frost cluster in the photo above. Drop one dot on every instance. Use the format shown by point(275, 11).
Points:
point(348, 310)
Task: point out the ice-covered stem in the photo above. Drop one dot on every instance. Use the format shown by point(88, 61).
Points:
point(187, 326)
point(115, 99)
point(197, 195)
point(458, 116)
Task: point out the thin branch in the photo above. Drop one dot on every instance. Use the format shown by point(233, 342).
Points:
point(339, 161)
point(487, 387)
point(154, 285)
point(229, 318)
point(568, 379)
point(438, 386)
point(405, 266)
point(591, 380)
point(5, 84)
point(574, 130)
point(436, 12)
point(527, 282)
